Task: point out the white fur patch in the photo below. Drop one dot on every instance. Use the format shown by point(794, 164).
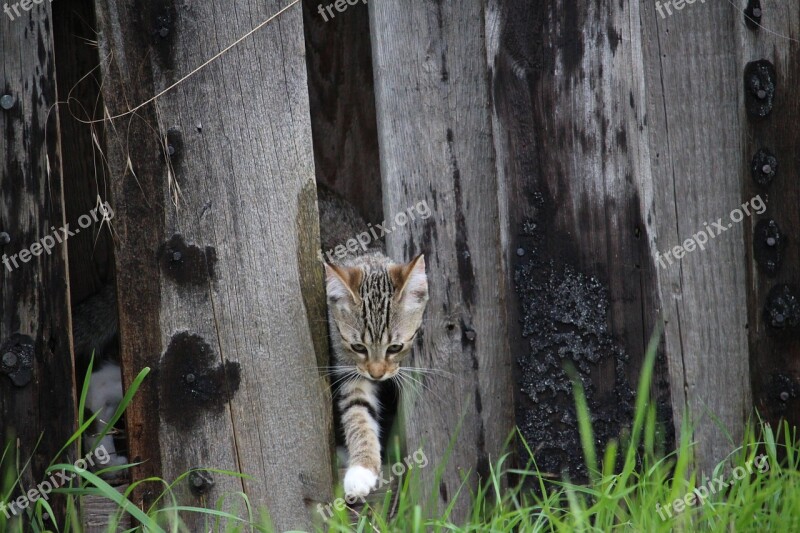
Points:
point(359, 481)
point(105, 393)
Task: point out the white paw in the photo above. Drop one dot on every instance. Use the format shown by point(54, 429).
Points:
point(358, 481)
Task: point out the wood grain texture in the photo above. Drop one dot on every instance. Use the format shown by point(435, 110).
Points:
point(219, 282)
point(694, 124)
point(434, 131)
point(774, 354)
point(97, 510)
point(34, 296)
point(575, 193)
point(340, 86)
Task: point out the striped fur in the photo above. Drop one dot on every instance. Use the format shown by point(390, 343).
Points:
point(375, 309)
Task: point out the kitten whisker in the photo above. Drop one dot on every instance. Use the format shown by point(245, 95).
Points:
point(430, 371)
point(420, 383)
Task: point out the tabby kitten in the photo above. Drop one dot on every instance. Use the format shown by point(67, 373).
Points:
point(375, 309)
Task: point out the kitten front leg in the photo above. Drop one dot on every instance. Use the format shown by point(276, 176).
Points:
point(105, 394)
point(360, 410)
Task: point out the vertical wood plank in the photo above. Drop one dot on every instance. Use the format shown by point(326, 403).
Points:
point(34, 321)
point(694, 133)
point(775, 350)
point(569, 103)
point(220, 287)
point(434, 132)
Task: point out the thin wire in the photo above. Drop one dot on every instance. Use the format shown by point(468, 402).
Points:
point(198, 69)
point(751, 19)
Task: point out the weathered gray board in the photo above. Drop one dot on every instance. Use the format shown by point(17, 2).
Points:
point(610, 149)
point(34, 297)
point(692, 87)
point(575, 194)
point(218, 279)
point(775, 352)
point(434, 136)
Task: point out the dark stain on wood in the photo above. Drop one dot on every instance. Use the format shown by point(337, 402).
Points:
point(174, 146)
point(773, 296)
point(769, 243)
point(34, 315)
point(764, 167)
point(570, 302)
point(187, 264)
point(782, 309)
point(191, 385)
point(760, 80)
point(466, 275)
point(155, 24)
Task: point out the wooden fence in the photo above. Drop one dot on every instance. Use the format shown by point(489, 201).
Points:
point(563, 148)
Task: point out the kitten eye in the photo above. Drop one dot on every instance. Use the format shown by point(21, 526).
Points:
point(394, 348)
point(358, 348)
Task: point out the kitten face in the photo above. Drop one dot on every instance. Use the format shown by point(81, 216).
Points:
point(377, 308)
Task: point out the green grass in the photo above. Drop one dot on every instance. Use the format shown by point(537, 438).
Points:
point(630, 486)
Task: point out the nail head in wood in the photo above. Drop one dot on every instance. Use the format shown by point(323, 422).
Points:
point(6, 101)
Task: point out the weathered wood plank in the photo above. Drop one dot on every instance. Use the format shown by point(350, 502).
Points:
point(569, 99)
point(220, 220)
point(35, 304)
point(694, 125)
point(435, 141)
point(774, 351)
point(339, 63)
point(96, 512)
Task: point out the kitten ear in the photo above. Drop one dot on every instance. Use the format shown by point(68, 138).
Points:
point(410, 281)
point(342, 282)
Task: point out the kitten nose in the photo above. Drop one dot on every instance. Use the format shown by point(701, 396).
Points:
point(376, 371)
